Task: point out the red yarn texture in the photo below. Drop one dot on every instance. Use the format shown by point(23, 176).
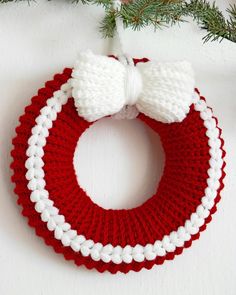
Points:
point(178, 194)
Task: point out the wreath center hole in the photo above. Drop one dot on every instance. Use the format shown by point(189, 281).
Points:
point(119, 163)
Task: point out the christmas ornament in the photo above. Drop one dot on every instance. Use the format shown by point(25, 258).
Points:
point(162, 95)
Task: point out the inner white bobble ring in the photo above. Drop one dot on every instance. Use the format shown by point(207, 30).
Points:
point(106, 253)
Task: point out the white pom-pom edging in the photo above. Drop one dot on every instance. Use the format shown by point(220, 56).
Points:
point(109, 253)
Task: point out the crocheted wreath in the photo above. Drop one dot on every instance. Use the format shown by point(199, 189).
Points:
point(115, 240)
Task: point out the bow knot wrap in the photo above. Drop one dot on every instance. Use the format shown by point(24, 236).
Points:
point(102, 86)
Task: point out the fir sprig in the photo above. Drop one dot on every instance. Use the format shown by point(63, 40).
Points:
point(210, 18)
point(151, 12)
point(160, 13)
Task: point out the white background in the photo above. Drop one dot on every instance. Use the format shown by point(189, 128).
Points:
point(39, 40)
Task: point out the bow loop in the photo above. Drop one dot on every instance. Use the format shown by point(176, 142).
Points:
point(98, 86)
point(102, 86)
point(168, 90)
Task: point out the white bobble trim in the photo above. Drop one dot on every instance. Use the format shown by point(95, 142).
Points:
point(158, 248)
point(202, 212)
point(213, 142)
point(175, 240)
point(52, 115)
point(117, 250)
point(45, 110)
point(138, 257)
point(34, 173)
point(196, 220)
point(138, 253)
point(45, 215)
point(150, 256)
point(127, 258)
point(65, 226)
point(200, 106)
point(40, 131)
point(44, 121)
point(210, 193)
point(35, 196)
point(95, 251)
point(127, 250)
point(58, 94)
point(54, 104)
point(107, 249)
point(85, 251)
point(58, 233)
point(72, 234)
point(81, 239)
point(191, 229)
point(210, 123)
point(30, 173)
point(105, 257)
point(97, 247)
point(51, 102)
point(34, 162)
point(148, 252)
point(59, 219)
point(63, 99)
point(52, 210)
point(216, 154)
point(69, 237)
point(116, 258)
point(37, 140)
point(183, 234)
point(51, 224)
point(167, 245)
point(206, 114)
point(214, 173)
point(138, 249)
point(95, 255)
point(40, 206)
point(65, 88)
point(88, 243)
point(86, 247)
point(195, 97)
point(65, 239)
point(215, 163)
point(213, 133)
point(75, 244)
point(212, 183)
point(36, 184)
point(148, 248)
point(208, 204)
point(34, 150)
point(127, 254)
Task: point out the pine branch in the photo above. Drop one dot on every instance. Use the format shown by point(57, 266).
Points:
point(151, 12)
point(210, 18)
point(162, 13)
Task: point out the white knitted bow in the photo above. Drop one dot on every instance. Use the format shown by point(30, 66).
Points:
point(102, 86)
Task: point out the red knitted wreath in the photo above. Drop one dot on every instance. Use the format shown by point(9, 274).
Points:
point(178, 195)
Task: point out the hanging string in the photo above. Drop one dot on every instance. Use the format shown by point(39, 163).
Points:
point(119, 29)
point(118, 41)
point(128, 111)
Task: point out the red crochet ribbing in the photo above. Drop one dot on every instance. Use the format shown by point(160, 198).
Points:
point(178, 195)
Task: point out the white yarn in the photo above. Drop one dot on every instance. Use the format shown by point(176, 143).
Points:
point(107, 253)
point(102, 86)
point(127, 112)
point(133, 85)
point(118, 44)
